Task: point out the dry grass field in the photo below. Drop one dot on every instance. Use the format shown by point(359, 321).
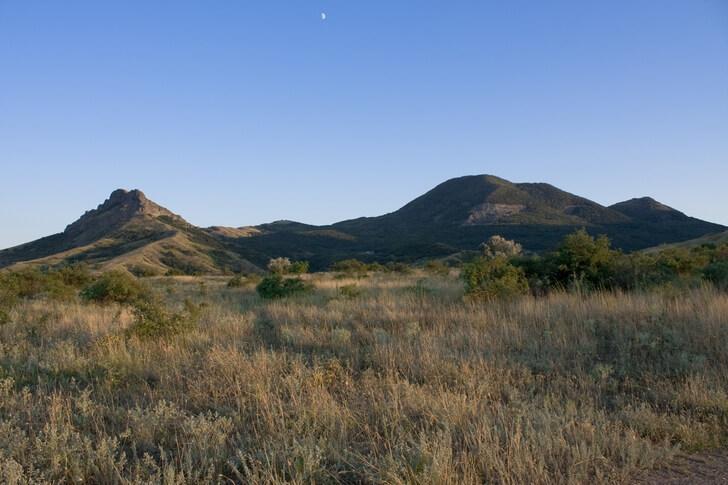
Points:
point(396, 380)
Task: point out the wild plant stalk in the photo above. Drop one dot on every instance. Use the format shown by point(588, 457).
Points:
point(399, 382)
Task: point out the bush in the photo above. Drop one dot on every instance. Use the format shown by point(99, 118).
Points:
point(75, 275)
point(349, 291)
point(499, 246)
point(493, 278)
point(374, 267)
point(437, 268)
point(236, 281)
point(8, 299)
point(56, 284)
point(275, 286)
point(279, 265)
point(143, 270)
point(115, 287)
point(350, 267)
point(642, 271)
point(582, 260)
point(152, 319)
point(397, 267)
point(717, 273)
point(299, 267)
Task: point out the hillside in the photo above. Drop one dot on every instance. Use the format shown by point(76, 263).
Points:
point(128, 230)
point(714, 239)
point(131, 231)
point(462, 212)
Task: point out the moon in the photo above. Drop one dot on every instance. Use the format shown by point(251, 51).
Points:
point(323, 15)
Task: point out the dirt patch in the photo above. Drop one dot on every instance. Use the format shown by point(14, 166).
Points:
point(704, 468)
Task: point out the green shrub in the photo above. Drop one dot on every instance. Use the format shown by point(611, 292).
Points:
point(374, 267)
point(398, 267)
point(437, 268)
point(493, 278)
point(76, 275)
point(236, 281)
point(152, 319)
point(36, 283)
point(8, 299)
point(143, 270)
point(584, 261)
point(275, 286)
point(115, 287)
point(4, 315)
point(349, 291)
point(31, 283)
point(299, 267)
point(350, 267)
point(642, 271)
point(717, 273)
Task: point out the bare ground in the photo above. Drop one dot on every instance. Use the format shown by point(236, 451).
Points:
point(705, 468)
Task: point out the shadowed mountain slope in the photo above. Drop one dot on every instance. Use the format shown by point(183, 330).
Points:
point(462, 212)
point(130, 230)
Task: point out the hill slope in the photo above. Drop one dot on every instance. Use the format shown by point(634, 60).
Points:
point(462, 212)
point(131, 231)
point(128, 230)
point(716, 239)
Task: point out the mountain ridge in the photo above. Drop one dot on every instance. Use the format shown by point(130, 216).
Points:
point(132, 231)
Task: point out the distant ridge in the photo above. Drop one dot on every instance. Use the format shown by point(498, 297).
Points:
point(128, 230)
point(461, 212)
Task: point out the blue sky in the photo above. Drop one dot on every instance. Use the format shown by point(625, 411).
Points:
point(243, 112)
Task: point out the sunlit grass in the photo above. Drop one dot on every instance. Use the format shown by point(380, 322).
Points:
point(401, 382)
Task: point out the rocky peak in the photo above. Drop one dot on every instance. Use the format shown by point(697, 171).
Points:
point(121, 207)
point(131, 202)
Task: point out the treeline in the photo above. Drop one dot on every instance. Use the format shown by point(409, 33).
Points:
point(585, 263)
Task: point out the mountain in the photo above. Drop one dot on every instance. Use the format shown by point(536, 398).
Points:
point(482, 200)
point(131, 231)
point(653, 223)
point(462, 212)
point(648, 209)
point(128, 230)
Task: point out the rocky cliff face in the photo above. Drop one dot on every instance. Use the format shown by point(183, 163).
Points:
point(120, 208)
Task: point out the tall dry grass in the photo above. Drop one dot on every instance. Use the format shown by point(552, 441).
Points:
point(404, 383)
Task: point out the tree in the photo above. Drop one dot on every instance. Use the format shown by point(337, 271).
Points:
point(498, 246)
point(493, 278)
point(582, 259)
point(279, 265)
